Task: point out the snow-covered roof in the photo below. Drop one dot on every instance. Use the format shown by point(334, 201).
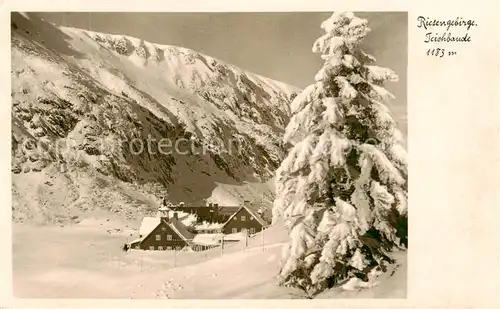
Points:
point(228, 210)
point(234, 236)
point(256, 216)
point(186, 218)
point(214, 239)
point(134, 241)
point(251, 212)
point(148, 224)
point(181, 230)
point(207, 239)
point(209, 226)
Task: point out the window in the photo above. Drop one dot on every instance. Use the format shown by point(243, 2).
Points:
point(160, 248)
point(169, 237)
point(252, 230)
point(251, 218)
point(235, 218)
point(151, 247)
point(243, 230)
point(169, 248)
point(234, 230)
point(164, 229)
point(177, 248)
point(158, 237)
point(243, 218)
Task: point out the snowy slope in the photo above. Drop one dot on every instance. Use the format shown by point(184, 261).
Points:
point(82, 102)
point(83, 261)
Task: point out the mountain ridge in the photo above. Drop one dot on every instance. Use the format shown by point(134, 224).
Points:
point(81, 100)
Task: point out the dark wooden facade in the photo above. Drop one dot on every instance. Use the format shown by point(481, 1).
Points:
point(163, 237)
point(243, 220)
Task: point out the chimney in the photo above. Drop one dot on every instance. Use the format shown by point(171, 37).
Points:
point(216, 212)
point(246, 203)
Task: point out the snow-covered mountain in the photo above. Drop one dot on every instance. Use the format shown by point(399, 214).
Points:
point(85, 103)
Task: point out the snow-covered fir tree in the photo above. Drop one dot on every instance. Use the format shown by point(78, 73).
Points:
point(342, 190)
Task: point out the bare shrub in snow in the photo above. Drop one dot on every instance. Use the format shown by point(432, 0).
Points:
point(342, 190)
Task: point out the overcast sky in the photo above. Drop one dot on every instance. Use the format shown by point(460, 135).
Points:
point(276, 45)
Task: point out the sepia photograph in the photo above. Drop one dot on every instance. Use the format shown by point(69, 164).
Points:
point(209, 155)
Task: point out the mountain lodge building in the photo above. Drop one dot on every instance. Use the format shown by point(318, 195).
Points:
point(162, 233)
point(244, 220)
